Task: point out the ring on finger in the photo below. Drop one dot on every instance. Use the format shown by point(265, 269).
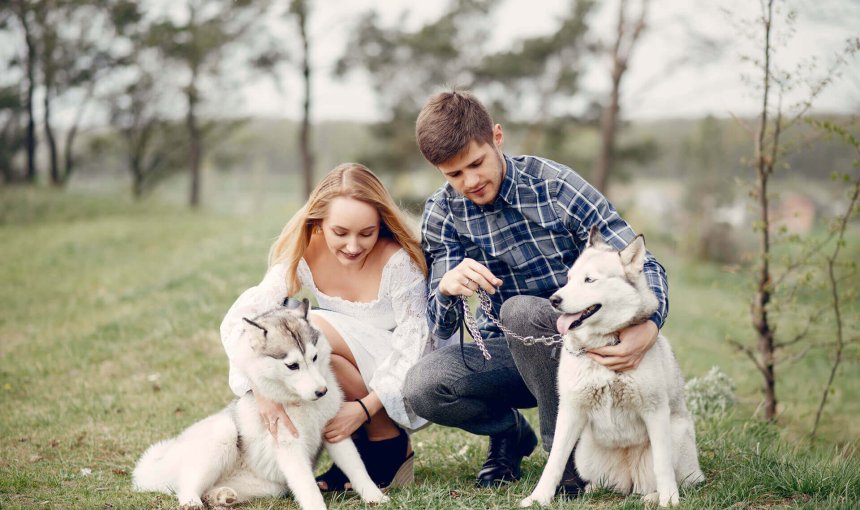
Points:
point(468, 283)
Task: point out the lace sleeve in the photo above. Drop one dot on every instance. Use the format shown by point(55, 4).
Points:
point(267, 294)
point(410, 339)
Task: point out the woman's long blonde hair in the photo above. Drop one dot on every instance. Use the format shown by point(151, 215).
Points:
point(347, 180)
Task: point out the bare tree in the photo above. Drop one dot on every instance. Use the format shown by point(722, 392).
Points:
point(299, 9)
point(774, 119)
point(196, 46)
point(23, 13)
point(628, 29)
point(832, 263)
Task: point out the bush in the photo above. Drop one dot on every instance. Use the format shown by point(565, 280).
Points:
point(710, 395)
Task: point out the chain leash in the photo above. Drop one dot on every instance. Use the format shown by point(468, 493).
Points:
point(485, 304)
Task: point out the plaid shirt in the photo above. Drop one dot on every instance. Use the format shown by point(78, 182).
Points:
point(528, 237)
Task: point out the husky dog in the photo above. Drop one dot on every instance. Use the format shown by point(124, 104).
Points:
point(230, 457)
point(635, 435)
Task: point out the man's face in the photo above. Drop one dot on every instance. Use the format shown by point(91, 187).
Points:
point(478, 170)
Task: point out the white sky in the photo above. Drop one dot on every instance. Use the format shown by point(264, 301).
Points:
point(694, 89)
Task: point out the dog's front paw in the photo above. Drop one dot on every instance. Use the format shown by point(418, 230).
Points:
point(373, 495)
point(540, 499)
point(669, 499)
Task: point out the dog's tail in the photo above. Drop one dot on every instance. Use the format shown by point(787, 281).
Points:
point(150, 472)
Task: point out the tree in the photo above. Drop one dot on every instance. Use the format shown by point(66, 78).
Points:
point(12, 134)
point(74, 52)
point(406, 66)
point(23, 13)
point(773, 121)
point(543, 68)
point(628, 29)
point(197, 46)
point(299, 9)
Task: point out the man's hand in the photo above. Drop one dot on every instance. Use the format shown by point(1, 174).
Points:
point(635, 342)
point(466, 278)
point(273, 413)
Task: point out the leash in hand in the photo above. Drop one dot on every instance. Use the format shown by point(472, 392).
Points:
point(471, 323)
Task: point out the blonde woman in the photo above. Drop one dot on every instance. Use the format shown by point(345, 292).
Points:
point(350, 247)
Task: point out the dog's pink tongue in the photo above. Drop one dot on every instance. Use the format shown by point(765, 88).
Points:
point(563, 323)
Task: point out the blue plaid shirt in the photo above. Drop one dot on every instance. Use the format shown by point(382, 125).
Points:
point(528, 237)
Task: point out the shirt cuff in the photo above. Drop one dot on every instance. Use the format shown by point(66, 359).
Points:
point(657, 319)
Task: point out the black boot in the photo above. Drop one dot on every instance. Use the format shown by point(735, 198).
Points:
point(571, 485)
point(505, 454)
point(386, 462)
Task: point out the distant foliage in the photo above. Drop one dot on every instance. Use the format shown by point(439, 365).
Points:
point(711, 395)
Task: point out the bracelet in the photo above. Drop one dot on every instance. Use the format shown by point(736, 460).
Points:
point(365, 410)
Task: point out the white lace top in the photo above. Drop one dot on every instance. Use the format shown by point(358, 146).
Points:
point(387, 336)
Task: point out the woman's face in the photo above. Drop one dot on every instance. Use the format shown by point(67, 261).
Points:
point(351, 230)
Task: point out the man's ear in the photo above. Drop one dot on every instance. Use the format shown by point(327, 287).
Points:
point(595, 238)
point(633, 255)
point(498, 136)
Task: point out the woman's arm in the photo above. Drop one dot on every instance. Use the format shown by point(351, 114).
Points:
point(409, 341)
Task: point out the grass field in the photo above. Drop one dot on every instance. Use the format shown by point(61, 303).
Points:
point(109, 315)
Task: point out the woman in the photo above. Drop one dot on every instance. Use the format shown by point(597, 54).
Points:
point(350, 247)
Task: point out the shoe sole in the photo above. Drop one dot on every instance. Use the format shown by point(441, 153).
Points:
point(405, 475)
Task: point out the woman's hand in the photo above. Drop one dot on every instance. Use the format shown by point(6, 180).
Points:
point(347, 420)
point(272, 413)
point(628, 353)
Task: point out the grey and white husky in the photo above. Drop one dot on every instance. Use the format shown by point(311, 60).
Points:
point(230, 457)
point(634, 432)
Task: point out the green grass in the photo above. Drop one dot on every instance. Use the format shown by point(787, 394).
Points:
point(109, 314)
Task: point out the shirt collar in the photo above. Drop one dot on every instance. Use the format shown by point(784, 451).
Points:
point(507, 189)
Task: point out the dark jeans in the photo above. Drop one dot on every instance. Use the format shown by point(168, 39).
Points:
point(441, 389)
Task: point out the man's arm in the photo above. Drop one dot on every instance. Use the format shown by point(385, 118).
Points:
point(582, 207)
point(443, 252)
point(585, 207)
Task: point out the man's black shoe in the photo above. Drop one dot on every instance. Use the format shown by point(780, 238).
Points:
point(505, 454)
point(571, 485)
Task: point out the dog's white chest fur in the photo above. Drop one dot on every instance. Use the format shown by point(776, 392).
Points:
point(613, 401)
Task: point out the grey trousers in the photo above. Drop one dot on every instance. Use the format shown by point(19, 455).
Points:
point(442, 390)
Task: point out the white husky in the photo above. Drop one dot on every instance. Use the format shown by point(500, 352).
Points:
point(230, 457)
point(635, 435)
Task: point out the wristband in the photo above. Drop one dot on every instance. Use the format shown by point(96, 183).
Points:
point(365, 410)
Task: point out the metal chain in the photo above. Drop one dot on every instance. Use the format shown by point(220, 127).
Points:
point(486, 305)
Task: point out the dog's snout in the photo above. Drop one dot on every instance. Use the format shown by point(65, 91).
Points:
point(321, 392)
point(555, 300)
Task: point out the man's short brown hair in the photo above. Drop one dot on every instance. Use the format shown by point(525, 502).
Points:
point(449, 122)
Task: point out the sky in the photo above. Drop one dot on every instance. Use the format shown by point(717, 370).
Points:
point(702, 84)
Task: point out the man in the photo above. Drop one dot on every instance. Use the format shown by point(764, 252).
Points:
point(511, 226)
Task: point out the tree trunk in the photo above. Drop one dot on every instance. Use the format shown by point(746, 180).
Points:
point(68, 154)
point(622, 50)
point(195, 141)
point(608, 128)
point(31, 87)
point(49, 135)
point(764, 167)
point(305, 136)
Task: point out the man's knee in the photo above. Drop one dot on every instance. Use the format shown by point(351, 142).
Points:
point(421, 389)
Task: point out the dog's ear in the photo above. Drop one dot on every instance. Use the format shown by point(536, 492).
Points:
point(258, 338)
point(633, 255)
point(303, 308)
point(595, 239)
